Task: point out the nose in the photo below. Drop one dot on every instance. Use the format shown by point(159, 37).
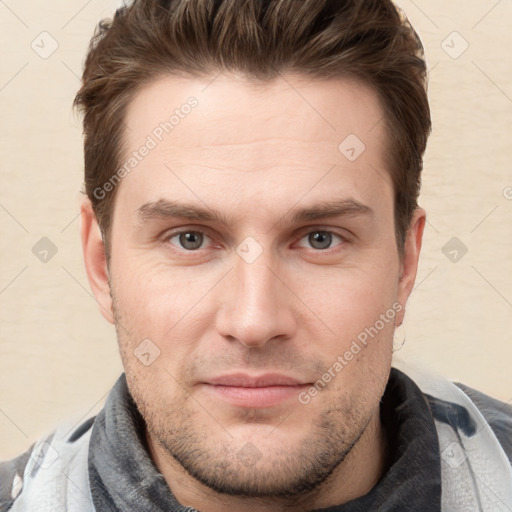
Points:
point(257, 305)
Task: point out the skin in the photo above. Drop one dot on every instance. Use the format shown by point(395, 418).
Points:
point(255, 153)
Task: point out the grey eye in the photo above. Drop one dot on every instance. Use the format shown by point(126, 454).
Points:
point(190, 240)
point(320, 239)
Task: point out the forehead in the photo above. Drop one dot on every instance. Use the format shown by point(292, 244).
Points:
point(236, 109)
point(229, 137)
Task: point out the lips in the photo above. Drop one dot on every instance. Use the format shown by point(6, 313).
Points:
point(243, 390)
point(246, 381)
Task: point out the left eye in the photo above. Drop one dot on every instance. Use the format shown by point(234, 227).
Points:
point(189, 240)
point(321, 240)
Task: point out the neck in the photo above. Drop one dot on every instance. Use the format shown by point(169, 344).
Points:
point(354, 477)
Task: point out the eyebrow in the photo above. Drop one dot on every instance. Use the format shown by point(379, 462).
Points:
point(339, 208)
point(165, 209)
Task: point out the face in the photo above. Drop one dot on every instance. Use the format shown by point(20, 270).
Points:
point(255, 276)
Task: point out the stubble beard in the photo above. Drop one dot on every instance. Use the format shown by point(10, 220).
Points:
point(181, 427)
point(236, 467)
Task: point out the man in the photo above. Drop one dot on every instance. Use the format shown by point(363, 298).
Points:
point(251, 228)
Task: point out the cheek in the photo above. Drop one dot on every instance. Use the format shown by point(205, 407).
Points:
point(155, 297)
point(171, 308)
point(357, 312)
point(154, 337)
point(348, 300)
point(355, 367)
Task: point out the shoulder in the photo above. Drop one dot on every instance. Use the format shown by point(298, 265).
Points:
point(452, 403)
point(498, 415)
point(11, 474)
point(24, 471)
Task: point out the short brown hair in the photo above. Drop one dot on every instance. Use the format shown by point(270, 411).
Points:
point(369, 40)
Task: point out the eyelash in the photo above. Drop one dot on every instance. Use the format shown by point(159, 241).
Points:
point(169, 236)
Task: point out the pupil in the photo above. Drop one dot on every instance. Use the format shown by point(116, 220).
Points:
point(191, 240)
point(320, 240)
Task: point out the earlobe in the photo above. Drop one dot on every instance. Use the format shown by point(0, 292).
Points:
point(410, 259)
point(95, 259)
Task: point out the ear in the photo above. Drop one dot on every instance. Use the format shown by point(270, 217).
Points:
point(95, 259)
point(409, 260)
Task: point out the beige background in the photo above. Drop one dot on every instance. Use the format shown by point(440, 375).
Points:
point(59, 357)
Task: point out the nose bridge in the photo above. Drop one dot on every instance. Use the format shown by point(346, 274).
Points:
point(257, 308)
point(255, 282)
